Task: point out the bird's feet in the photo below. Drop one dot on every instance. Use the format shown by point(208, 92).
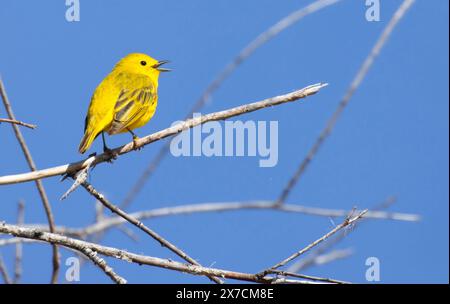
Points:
point(110, 154)
point(135, 144)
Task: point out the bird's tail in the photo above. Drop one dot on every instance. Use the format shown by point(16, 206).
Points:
point(87, 140)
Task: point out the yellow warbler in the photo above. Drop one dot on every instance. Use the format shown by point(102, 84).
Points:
point(125, 100)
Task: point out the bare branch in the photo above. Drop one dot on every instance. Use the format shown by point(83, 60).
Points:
point(320, 259)
point(190, 123)
point(101, 198)
point(78, 177)
point(109, 222)
point(92, 255)
point(304, 276)
point(248, 50)
point(14, 241)
point(78, 245)
point(39, 185)
point(345, 100)
point(234, 206)
point(17, 122)
point(85, 252)
point(348, 221)
point(4, 272)
point(19, 249)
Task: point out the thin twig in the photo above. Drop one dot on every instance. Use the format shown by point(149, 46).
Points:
point(72, 168)
point(99, 211)
point(233, 206)
point(99, 216)
point(101, 198)
point(39, 185)
point(320, 258)
point(248, 50)
point(4, 272)
point(308, 277)
point(222, 207)
point(13, 241)
point(78, 245)
point(17, 122)
point(362, 72)
point(19, 249)
point(92, 255)
point(109, 222)
point(348, 221)
point(81, 251)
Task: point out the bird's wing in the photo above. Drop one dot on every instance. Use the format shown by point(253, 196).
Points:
point(129, 107)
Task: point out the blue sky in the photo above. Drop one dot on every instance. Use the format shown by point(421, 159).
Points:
point(391, 140)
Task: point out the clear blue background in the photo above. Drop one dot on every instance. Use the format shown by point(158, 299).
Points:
point(392, 139)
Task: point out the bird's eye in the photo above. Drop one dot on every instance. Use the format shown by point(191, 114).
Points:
point(143, 62)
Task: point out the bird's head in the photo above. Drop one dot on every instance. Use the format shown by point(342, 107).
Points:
point(142, 64)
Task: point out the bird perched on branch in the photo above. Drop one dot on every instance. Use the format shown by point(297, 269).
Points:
point(125, 100)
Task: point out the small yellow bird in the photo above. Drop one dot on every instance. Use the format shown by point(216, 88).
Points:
point(125, 100)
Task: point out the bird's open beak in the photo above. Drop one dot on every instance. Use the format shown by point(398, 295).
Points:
point(159, 64)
